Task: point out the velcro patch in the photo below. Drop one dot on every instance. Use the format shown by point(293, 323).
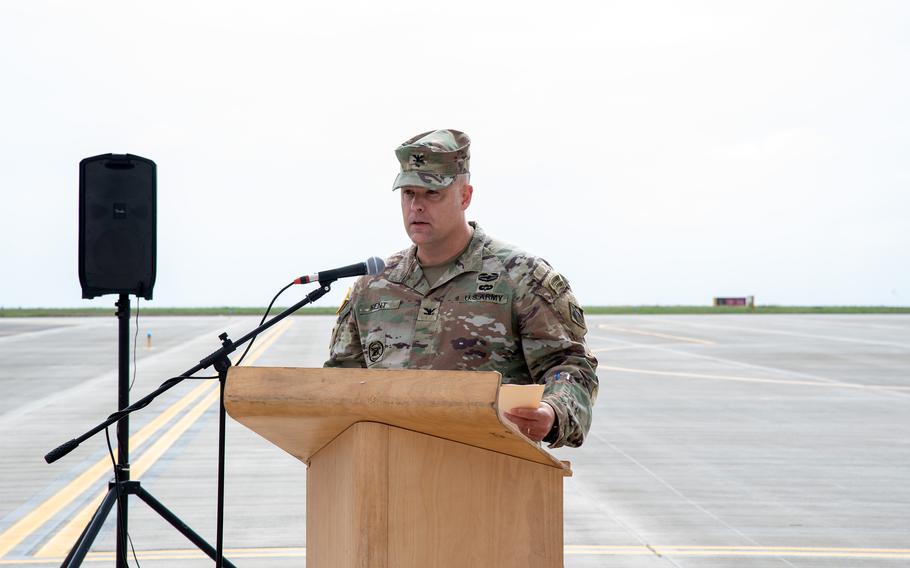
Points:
point(557, 283)
point(428, 310)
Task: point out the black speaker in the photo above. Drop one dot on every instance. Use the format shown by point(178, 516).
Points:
point(117, 225)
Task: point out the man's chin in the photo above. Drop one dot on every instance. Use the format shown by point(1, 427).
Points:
point(419, 233)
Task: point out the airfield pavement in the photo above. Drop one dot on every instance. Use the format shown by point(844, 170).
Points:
point(719, 440)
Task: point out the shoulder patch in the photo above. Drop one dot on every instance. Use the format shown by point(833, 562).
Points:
point(557, 283)
point(577, 314)
point(540, 271)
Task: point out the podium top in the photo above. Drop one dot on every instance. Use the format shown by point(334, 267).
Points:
point(302, 410)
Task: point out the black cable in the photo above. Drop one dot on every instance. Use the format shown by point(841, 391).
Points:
point(265, 315)
point(110, 451)
point(120, 414)
point(135, 336)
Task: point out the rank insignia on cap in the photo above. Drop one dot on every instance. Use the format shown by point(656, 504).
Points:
point(418, 160)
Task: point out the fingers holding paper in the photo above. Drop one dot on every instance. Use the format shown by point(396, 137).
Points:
point(535, 423)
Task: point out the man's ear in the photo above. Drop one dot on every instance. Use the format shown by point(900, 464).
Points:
point(466, 193)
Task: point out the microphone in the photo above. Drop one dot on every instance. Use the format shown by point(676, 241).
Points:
point(372, 266)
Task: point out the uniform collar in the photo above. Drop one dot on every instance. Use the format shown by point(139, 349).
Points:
point(409, 273)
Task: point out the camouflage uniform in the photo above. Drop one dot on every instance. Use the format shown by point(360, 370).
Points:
point(495, 309)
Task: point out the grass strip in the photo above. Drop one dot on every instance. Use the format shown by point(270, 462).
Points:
point(590, 310)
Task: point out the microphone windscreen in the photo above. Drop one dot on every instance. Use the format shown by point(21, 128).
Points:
point(375, 265)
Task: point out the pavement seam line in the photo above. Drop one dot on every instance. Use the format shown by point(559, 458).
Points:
point(686, 375)
point(656, 334)
point(570, 550)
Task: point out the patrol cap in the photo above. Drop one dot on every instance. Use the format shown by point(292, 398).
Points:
point(433, 159)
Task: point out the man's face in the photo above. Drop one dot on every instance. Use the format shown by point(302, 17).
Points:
point(431, 217)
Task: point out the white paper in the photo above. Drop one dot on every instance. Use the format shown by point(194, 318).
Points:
point(519, 396)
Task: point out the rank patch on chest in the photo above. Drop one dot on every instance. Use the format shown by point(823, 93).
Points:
point(428, 311)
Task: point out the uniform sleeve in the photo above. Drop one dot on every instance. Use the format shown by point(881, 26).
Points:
point(345, 349)
point(552, 328)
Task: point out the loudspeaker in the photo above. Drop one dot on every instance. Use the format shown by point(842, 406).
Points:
point(117, 225)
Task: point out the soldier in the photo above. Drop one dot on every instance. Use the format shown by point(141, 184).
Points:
point(459, 299)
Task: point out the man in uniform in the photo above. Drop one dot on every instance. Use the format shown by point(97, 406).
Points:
point(458, 299)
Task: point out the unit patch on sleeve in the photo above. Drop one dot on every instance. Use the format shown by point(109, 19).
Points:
point(577, 315)
point(375, 351)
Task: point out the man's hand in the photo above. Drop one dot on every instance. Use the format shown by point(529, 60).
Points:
point(535, 423)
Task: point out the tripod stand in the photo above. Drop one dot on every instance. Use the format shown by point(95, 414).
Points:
point(122, 486)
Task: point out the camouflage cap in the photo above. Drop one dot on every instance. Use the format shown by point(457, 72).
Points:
point(433, 159)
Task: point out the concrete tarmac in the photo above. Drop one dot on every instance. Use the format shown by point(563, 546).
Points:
point(741, 440)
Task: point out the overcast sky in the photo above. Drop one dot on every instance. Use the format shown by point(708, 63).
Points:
point(653, 152)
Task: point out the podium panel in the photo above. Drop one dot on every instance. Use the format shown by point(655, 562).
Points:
point(408, 468)
point(380, 496)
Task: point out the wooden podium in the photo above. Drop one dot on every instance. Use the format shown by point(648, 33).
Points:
point(407, 468)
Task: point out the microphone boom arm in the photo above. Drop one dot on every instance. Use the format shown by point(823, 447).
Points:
point(218, 358)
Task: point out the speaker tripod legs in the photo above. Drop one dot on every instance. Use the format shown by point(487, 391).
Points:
point(84, 543)
point(90, 532)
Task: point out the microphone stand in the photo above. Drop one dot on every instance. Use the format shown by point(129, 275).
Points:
point(122, 486)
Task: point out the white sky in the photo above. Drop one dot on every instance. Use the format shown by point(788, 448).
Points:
point(653, 152)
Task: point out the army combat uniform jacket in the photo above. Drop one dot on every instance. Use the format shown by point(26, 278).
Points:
point(495, 309)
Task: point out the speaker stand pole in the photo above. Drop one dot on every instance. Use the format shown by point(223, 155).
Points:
point(122, 475)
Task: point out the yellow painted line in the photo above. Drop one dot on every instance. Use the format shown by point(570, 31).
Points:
point(21, 529)
point(61, 542)
point(747, 379)
point(24, 527)
point(569, 550)
point(64, 539)
point(655, 334)
point(182, 554)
